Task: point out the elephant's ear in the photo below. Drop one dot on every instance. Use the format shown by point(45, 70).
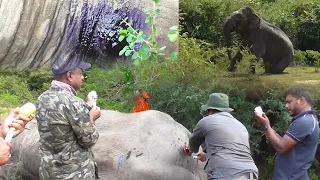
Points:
point(254, 21)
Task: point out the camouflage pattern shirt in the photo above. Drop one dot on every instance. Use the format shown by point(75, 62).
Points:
point(66, 136)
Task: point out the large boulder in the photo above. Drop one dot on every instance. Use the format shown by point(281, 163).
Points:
point(35, 33)
point(147, 145)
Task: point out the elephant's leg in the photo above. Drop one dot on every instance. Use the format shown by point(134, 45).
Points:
point(258, 49)
point(267, 67)
point(281, 65)
point(237, 58)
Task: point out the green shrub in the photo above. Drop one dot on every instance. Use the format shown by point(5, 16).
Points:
point(308, 35)
point(8, 100)
point(313, 59)
point(300, 58)
point(38, 80)
point(15, 86)
point(114, 86)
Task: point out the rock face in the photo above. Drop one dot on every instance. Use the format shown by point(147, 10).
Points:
point(35, 33)
point(144, 146)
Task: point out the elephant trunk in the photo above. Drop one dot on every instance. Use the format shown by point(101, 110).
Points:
point(227, 29)
point(232, 24)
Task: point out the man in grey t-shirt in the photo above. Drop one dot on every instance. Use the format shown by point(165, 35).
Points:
point(226, 140)
point(297, 148)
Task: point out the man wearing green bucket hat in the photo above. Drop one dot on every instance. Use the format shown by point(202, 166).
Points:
point(226, 140)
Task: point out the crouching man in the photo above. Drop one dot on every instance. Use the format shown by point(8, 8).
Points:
point(227, 153)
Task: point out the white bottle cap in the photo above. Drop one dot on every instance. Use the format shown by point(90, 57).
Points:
point(258, 110)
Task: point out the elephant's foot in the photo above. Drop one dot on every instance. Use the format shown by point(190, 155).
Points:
point(270, 72)
point(266, 73)
point(277, 72)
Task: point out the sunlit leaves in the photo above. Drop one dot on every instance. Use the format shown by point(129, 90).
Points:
point(173, 34)
point(123, 50)
point(157, 1)
point(148, 20)
point(157, 12)
point(143, 48)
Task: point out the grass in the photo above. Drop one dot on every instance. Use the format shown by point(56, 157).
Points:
point(261, 85)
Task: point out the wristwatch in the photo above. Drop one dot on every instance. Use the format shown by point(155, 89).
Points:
point(267, 127)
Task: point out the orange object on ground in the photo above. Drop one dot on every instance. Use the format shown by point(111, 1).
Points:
point(141, 102)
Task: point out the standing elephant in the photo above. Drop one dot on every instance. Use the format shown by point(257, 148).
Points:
point(265, 40)
point(136, 146)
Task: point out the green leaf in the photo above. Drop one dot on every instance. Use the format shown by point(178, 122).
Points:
point(141, 34)
point(173, 36)
point(174, 28)
point(144, 49)
point(135, 55)
point(128, 52)
point(123, 50)
point(154, 57)
point(174, 56)
point(148, 20)
point(130, 30)
point(145, 57)
point(157, 1)
point(150, 39)
point(154, 45)
point(162, 49)
point(139, 39)
point(148, 10)
point(131, 45)
point(123, 32)
point(157, 12)
point(154, 29)
point(129, 38)
point(121, 38)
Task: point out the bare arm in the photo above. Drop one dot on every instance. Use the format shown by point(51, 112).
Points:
point(196, 138)
point(280, 144)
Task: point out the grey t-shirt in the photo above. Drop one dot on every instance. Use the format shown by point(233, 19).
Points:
point(294, 164)
point(227, 146)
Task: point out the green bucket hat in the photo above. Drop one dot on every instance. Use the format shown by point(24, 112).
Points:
point(217, 101)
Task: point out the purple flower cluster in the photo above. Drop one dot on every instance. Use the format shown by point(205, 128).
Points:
point(97, 31)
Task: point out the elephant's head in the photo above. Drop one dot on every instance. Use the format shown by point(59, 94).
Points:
point(242, 22)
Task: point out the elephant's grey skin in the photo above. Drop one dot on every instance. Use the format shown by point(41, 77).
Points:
point(33, 33)
point(265, 40)
point(137, 146)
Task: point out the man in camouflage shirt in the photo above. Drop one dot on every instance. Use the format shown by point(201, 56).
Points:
point(66, 126)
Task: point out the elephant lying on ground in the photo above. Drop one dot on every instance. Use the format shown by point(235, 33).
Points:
point(138, 146)
point(265, 40)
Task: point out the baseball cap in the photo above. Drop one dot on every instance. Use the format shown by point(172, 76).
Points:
point(69, 65)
